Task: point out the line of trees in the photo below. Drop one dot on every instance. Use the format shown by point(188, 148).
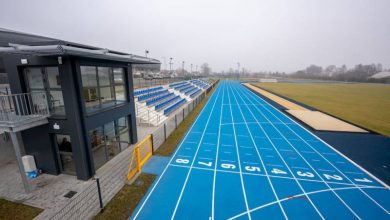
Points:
point(359, 73)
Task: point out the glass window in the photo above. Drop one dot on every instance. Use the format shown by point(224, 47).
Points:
point(120, 93)
point(105, 94)
point(54, 77)
point(88, 76)
point(103, 87)
point(35, 78)
point(118, 75)
point(109, 140)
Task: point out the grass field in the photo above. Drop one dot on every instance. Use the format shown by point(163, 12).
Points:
point(367, 105)
point(12, 210)
point(125, 201)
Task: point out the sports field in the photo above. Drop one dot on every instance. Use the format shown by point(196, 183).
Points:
point(364, 104)
point(244, 159)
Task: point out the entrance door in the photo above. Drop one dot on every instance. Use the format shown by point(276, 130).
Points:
point(65, 153)
point(46, 79)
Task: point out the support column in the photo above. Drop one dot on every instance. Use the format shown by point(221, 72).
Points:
point(18, 148)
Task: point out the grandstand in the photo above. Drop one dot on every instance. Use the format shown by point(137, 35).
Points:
point(155, 104)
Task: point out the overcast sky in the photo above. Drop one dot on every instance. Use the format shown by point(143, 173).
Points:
point(271, 35)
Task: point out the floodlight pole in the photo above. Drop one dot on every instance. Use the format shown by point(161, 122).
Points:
point(170, 65)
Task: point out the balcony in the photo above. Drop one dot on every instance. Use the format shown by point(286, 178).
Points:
point(23, 111)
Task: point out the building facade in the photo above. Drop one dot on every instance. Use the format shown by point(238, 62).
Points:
point(89, 92)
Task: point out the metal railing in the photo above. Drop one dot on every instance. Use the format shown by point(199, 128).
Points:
point(15, 108)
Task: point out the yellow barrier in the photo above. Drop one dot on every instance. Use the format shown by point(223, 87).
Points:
point(143, 151)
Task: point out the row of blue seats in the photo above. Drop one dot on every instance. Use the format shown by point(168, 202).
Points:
point(165, 103)
point(158, 99)
point(151, 95)
point(143, 91)
point(190, 90)
point(185, 87)
point(177, 83)
point(195, 93)
point(174, 106)
point(180, 86)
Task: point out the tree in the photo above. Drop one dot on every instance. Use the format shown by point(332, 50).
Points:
point(313, 70)
point(205, 69)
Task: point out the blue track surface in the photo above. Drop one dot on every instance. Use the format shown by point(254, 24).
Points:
point(244, 159)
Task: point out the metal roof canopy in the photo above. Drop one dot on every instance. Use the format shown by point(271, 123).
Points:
point(58, 50)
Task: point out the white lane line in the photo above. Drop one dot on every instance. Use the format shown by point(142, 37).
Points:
point(229, 161)
point(177, 150)
point(264, 168)
point(325, 170)
point(300, 168)
point(196, 153)
point(350, 172)
point(238, 158)
point(246, 147)
point(277, 151)
point(273, 165)
point(340, 154)
point(351, 210)
point(307, 152)
point(216, 158)
point(183, 156)
point(205, 158)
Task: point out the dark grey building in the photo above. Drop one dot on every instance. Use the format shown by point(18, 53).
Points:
point(88, 94)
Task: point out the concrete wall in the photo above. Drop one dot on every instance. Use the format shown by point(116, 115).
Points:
point(7, 152)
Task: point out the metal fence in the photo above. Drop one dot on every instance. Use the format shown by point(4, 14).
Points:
point(86, 204)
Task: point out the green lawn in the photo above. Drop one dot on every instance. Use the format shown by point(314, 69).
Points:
point(367, 105)
point(127, 199)
point(14, 211)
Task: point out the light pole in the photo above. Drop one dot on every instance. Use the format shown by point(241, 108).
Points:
point(191, 68)
point(238, 71)
point(170, 65)
point(146, 53)
point(182, 67)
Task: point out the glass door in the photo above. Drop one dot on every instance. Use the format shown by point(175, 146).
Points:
point(65, 153)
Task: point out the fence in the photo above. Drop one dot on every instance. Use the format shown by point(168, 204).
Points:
point(112, 178)
point(142, 152)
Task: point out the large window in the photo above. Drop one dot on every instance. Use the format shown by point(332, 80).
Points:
point(47, 80)
point(109, 140)
point(103, 87)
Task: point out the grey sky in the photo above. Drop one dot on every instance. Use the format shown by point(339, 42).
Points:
point(262, 35)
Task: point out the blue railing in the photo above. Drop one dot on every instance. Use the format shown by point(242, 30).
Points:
point(191, 90)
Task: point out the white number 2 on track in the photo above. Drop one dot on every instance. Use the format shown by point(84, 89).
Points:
point(333, 177)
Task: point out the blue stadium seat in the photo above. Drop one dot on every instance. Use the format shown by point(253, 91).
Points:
point(158, 99)
point(174, 106)
point(165, 103)
point(151, 95)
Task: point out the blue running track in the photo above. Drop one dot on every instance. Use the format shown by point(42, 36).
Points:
point(244, 159)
